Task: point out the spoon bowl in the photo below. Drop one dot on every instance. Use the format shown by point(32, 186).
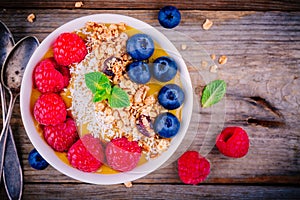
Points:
point(15, 64)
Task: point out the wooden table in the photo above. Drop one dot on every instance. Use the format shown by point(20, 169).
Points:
point(262, 42)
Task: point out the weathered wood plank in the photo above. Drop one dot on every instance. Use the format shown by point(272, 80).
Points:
point(156, 191)
point(283, 5)
point(262, 74)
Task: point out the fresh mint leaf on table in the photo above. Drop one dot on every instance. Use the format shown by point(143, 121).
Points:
point(102, 89)
point(213, 93)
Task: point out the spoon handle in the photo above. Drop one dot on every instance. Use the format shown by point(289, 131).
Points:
point(4, 132)
point(12, 170)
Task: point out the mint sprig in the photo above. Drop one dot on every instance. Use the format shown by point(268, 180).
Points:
point(119, 98)
point(102, 89)
point(213, 93)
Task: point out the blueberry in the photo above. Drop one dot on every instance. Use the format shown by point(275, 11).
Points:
point(169, 17)
point(164, 69)
point(139, 72)
point(171, 96)
point(140, 46)
point(166, 125)
point(36, 161)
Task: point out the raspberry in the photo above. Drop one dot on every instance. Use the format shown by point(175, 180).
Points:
point(65, 71)
point(61, 136)
point(122, 154)
point(193, 168)
point(233, 142)
point(69, 48)
point(50, 109)
point(86, 154)
point(47, 78)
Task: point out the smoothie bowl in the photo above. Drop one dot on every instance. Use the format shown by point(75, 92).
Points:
point(106, 99)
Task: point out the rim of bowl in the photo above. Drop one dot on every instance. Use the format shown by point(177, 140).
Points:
point(49, 154)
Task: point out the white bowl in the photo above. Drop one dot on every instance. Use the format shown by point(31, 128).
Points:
point(49, 154)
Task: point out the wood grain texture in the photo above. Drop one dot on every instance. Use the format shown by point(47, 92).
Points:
point(261, 5)
point(160, 191)
point(263, 97)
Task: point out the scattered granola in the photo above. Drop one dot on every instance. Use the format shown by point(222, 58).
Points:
point(128, 184)
point(213, 56)
point(222, 60)
point(204, 64)
point(78, 4)
point(207, 24)
point(213, 69)
point(183, 47)
point(31, 18)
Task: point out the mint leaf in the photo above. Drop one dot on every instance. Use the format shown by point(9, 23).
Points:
point(119, 98)
point(101, 87)
point(213, 93)
point(100, 96)
point(97, 81)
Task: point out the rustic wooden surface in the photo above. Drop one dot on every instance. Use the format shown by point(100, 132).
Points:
point(262, 42)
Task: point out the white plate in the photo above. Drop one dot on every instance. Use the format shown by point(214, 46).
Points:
point(47, 152)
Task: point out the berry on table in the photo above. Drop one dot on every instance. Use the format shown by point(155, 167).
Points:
point(50, 109)
point(61, 136)
point(69, 48)
point(164, 69)
point(193, 168)
point(36, 161)
point(86, 154)
point(47, 78)
point(169, 17)
point(171, 96)
point(166, 125)
point(140, 46)
point(233, 142)
point(139, 72)
point(123, 155)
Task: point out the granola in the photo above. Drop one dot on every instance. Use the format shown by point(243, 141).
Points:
point(107, 53)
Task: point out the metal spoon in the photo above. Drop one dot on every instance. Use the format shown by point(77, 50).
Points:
point(12, 171)
point(11, 77)
point(6, 42)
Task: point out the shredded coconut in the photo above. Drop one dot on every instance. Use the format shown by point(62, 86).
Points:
point(107, 50)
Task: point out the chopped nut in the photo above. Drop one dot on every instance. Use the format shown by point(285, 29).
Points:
point(183, 46)
point(207, 24)
point(213, 69)
point(108, 111)
point(120, 124)
point(116, 114)
point(78, 4)
point(163, 144)
point(128, 184)
point(99, 106)
point(204, 64)
point(109, 119)
point(149, 100)
point(152, 114)
point(122, 26)
point(31, 18)
point(222, 60)
point(213, 56)
point(141, 94)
